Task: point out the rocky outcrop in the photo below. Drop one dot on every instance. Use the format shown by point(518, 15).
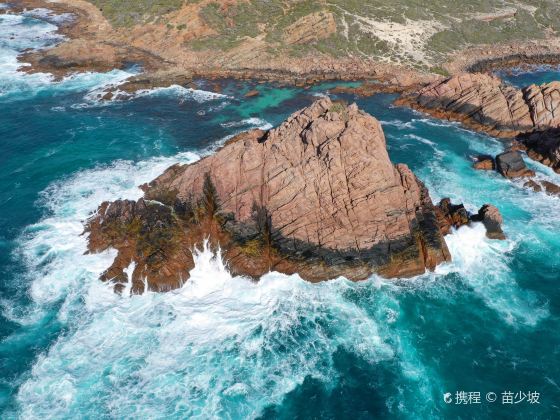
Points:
point(451, 215)
point(485, 103)
point(310, 28)
point(544, 147)
point(484, 163)
point(455, 215)
point(492, 219)
point(317, 195)
point(511, 165)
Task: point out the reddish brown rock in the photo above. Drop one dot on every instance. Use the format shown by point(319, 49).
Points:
point(484, 163)
point(538, 186)
point(317, 195)
point(455, 215)
point(492, 220)
point(451, 215)
point(483, 102)
point(511, 165)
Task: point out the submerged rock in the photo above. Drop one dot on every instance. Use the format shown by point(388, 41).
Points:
point(317, 195)
point(543, 185)
point(252, 93)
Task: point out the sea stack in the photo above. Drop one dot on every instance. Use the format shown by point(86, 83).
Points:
point(317, 196)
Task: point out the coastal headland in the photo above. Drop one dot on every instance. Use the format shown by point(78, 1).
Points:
point(294, 42)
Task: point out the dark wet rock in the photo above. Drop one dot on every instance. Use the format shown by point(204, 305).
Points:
point(535, 186)
point(543, 185)
point(455, 215)
point(551, 188)
point(511, 165)
point(107, 96)
point(544, 147)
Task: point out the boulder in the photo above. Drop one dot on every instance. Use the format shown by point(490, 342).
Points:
point(484, 162)
point(511, 165)
point(318, 195)
point(492, 220)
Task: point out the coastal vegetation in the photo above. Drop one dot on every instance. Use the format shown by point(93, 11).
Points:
point(396, 31)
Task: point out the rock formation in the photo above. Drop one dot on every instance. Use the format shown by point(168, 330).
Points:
point(455, 215)
point(544, 147)
point(484, 163)
point(485, 103)
point(511, 165)
point(492, 219)
point(451, 215)
point(317, 195)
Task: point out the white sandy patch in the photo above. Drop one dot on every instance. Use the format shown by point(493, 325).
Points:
point(409, 38)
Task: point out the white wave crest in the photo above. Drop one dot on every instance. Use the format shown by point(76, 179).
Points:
point(182, 92)
point(249, 122)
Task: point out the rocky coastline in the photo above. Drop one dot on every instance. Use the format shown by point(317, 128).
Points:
point(311, 182)
point(482, 102)
point(94, 45)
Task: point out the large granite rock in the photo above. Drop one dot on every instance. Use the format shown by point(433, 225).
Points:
point(483, 102)
point(317, 195)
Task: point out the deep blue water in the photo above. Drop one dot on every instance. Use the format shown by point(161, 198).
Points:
point(538, 75)
point(226, 347)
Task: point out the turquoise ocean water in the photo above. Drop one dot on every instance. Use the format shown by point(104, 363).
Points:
point(222, 346)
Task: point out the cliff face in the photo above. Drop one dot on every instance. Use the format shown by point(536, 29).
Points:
point(317, 195)
point(483, 102)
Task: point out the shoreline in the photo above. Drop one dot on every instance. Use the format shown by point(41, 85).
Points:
point(76, 54)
